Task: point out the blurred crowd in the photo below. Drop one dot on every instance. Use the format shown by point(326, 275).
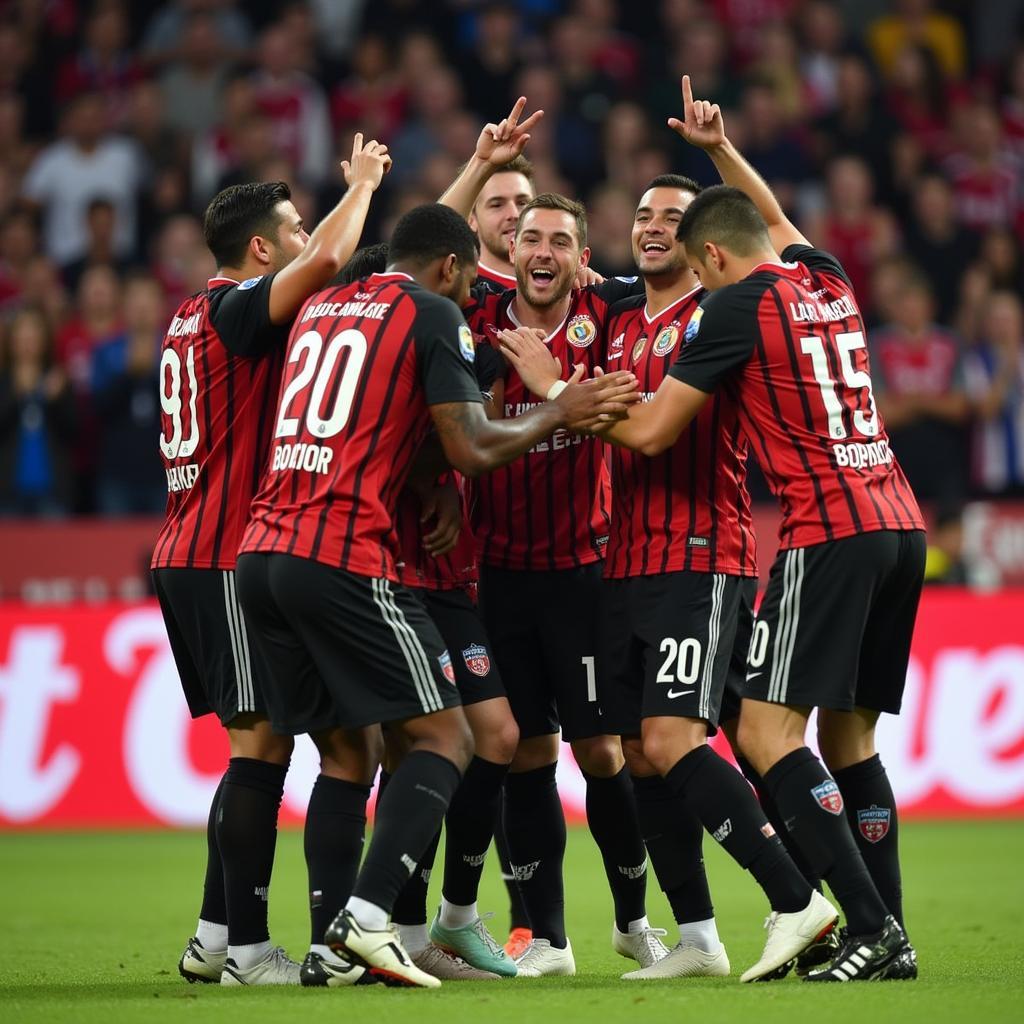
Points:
point(893, 131)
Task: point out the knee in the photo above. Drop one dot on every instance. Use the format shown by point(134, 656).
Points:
point(535, 752)
point(749, 746)
point(665, 742)
point(502, 743)
point(599, 755)
point(636, 762)
point(839, 751)
point(253, 738)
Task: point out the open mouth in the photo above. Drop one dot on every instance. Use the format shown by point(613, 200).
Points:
point(654, 248)
point(541, 277)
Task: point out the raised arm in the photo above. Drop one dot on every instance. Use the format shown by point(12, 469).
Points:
point(336, 236)
point(702, 126)
point(497, 145)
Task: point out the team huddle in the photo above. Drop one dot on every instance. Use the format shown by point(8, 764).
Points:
point(441, 502)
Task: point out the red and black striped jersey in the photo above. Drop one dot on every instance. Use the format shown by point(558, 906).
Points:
point(364, 363)
point(788, 345)
point(687, 508)
point(549, 509)
point(219, 370)
point(494, 280)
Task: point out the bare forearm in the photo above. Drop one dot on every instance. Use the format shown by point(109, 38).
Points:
point(461, 195)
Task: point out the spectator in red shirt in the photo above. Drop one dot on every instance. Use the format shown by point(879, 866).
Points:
point(372, 98)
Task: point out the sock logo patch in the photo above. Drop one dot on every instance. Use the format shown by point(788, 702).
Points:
point(261, 892)
point(524, 872)
point(873, 822)
point(828, 796)
point(633, 871)
point(410, 864)
point(474, 860)
point(477, 660)
point(316, 899)
point(723, 831)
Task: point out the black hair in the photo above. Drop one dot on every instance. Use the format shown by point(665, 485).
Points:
point(237, 214)
point(726, 216)
point(370, 259)
point(679, 181)
point(430, 232)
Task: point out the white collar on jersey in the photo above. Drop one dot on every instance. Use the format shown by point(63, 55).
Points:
point(390, 275)
point(547, 341)
point(511, 278)
point(682, 298)
point(220, 279)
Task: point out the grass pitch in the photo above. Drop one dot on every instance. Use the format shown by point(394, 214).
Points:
point(93, 924)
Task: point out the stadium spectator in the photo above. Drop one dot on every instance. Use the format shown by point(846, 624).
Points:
point(489, 68)
point(917, 97)
point(166, 34)
point(71, 172)
point(823, 38)
point(19, 242)
point(914, 21)
point(192, 83)
point(101, 224)
point(372, 97)
point(610, 211)
point(434, 101)
point(37, 423)
point(1001, 257)
point(974, 293)
point(917, 377)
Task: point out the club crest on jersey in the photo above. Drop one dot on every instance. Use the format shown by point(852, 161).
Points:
point(466, 346)
point(638, 347)
point(250, 282)
point(477, 660)
point(581, 331)
point(615, 348)
point(828, 796)
point(445, 661)
point(693, 326)
point(873, 823)
point(666, 339)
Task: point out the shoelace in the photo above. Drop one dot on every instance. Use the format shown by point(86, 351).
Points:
point(652, 942)
point(533, 953)
point(770, 922)
point(484, 934)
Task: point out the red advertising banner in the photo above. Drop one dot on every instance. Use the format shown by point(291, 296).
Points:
point(94, 732)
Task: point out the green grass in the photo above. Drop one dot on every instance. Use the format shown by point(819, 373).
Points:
point(93, 924)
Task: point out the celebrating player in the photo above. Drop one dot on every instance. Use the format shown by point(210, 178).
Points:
point(219, 371)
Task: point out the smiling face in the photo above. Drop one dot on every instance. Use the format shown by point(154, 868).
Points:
point(497, 210)
point(656, 250)
point(546, 254)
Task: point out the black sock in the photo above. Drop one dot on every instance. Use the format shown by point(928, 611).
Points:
point(333, 843)
point(517, 915)
point(411, 903)
point(408, 818)
point(771, 812)
point(214, 908)
point(535, 828)
point(812, 807)
point(871, 813)
point(717, 794)
point(612, 817)
point(673, 836)
point(246, 837)
point(469, 825)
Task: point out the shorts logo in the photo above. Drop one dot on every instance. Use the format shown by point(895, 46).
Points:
point(638, 348)
point(666, 340)
point(466, 346)
point(248, 283)
point(828, 796)
point(723, 831)
point(873, 823)
point(615, 348)
point(581, 331)
point(477, 660)
point(693, 326)
point(445, 661)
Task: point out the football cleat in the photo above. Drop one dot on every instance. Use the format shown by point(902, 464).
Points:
point(200, 964)
point(645, 947)
point(318, 971)
point(380, 951)
point(275, 969)
point(884, 956)
point(446, 966)
point(820, 953)
point(474, 944)
point(789, 935)
point(518, 940)
point(542, 960)
point(684, 962)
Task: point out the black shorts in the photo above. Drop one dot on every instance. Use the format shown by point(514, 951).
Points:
point(461, 628)
point(835, 625)
point(670, 639)
point(210, 642)
point(732, 695)
point(341, 650)
point(545, 633)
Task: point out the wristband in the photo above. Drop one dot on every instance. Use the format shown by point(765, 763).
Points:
point(556, 389)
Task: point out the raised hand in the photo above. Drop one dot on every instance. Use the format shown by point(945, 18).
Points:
point(702, 123)
point(588, 404)
point(499, 143)
point(524, 348)
point(368, 164)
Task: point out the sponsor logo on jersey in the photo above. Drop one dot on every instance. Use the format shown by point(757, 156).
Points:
point(873, 823)
point(723, 831)
point(693, 326)
point(466, 346)
point(445, 661)
point(581, 331)
point(666, 339)
point(828, 796)
point(477, 660)
point(638, 347)
point(615, 348)
point(249, 282)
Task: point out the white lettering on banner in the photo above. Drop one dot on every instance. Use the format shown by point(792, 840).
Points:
point(157, 723)
point(31, 681)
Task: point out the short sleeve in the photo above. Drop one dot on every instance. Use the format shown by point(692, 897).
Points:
point(814, 259)
point(241, 316)
point(615, 289)
point(445, 351)
point(720, 337)
point(489, 365)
